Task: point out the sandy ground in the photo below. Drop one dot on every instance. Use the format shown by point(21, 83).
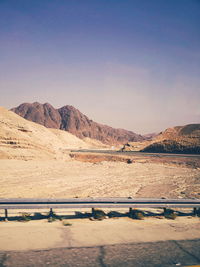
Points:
point(64, 179)
point(85, 233)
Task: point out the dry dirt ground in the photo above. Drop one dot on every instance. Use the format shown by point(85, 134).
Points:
point(71, 178)
point(86, 233)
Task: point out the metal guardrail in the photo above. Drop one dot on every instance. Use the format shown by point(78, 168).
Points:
point(71, 203)
point(79, 203)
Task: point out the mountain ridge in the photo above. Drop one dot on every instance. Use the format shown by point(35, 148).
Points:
point(178, 139)
point(23, 139)
point(70, 119)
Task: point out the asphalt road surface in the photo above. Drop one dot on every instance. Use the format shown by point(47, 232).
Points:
point(137, 153)
point(158, 254)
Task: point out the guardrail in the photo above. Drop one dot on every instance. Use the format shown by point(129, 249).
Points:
point(79, 203)
point(32, 203)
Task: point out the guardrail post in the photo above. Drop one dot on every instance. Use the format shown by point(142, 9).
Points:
point(6, 215)
point(51, 213)
point(92, 211)
point(195, 211)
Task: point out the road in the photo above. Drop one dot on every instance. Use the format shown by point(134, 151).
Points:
point(165, 254)
point(137, 153)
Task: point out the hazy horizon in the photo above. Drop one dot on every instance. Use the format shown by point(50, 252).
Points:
point(127, 64)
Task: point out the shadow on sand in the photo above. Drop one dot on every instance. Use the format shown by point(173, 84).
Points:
point(98, 214)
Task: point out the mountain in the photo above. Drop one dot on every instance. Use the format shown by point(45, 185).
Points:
point(150, 136)
point(23, 139)
point(72, 120)
point(43, 114)
point(179, 139)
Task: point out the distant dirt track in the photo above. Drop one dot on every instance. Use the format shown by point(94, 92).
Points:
point(138, 153)
point(95, 156)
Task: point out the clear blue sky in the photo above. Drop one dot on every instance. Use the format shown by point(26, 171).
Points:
point(132, 64)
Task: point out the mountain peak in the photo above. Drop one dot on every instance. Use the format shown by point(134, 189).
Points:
point(44, 114)
point(70, 119)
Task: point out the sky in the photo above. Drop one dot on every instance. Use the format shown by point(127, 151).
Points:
point(132, 64)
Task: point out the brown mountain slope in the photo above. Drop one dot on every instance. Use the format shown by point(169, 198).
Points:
point(43, 114)
point(72, 120)
point(179, 139)
point(23, 139)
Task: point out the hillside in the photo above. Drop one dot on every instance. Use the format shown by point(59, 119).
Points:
point(179, 139)
point(22, 139)
point(72, 120)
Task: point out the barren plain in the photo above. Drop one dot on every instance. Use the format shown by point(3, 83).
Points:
point(71, 178)
point(36, 162)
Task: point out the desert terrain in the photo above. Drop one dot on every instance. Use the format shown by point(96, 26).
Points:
point(37, 162)
point(178, 139)
point(70, 119)
point(71, 178)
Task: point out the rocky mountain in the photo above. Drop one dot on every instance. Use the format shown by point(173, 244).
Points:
point(43, 114)
point(72, 120)
point(23, 139)
point(179, 139)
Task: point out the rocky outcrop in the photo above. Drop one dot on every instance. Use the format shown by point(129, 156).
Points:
point(72, 120)
point(179, 139)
